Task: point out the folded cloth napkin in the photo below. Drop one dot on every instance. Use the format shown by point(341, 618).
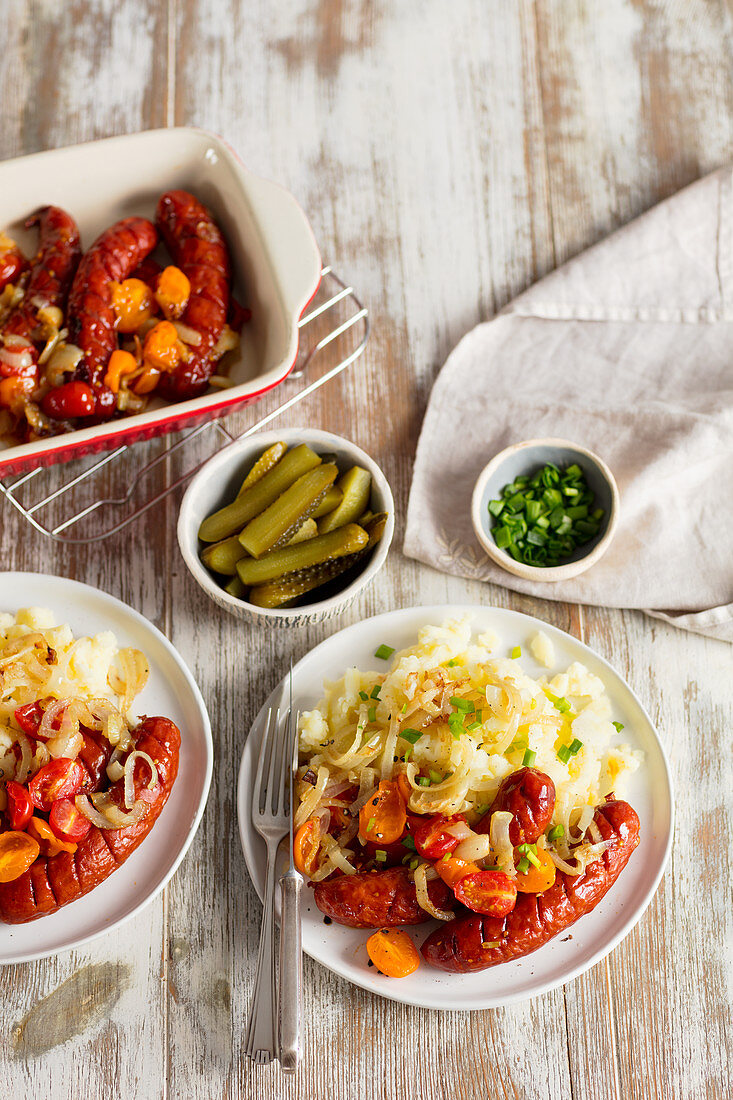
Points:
point(627, 350)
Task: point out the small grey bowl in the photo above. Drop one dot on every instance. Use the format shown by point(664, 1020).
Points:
point(526, 458)
point(217, 483)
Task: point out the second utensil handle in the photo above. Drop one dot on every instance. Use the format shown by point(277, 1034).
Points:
point(291, 972)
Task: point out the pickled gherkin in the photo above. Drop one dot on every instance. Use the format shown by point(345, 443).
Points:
point(236, 588)
point(263, 465)
point(331, 499)
point(288, 559)
point(308, 530)
point(259, 496)
point(222, 557)
point(356, 486)
point(278, 523)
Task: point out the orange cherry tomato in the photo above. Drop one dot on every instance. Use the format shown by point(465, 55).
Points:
point(16, 390)
point(120, 363)
point(431, 839)
point(306, 843)
point(17, 852)
point(172, 292)
point(20, 807)
point(489, 892)
point(404, 785)
point(452, 869)
point(48, 842)
point(67, 822)
point(537, 879)
point(393, 952)
point(147, 381)
point(383, 818)
point(133, 304)
point(62, 778)
point(161, 348)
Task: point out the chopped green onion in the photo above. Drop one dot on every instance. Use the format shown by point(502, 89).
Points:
point(455, 724)
point(363, 695)
point(529, 758)
point(575, 746)
point(435, 777)
point(370, 824)
point(564, 753)
point(380, 855)
point(523, 865)
point(516, 652)
point(384, 652)
point(374, 694)
point(452, 663)
point(533, 859)
point(372, 714)
point(495, 507)
point(558, 702)
point(462, 704)
point(409, 842)
point(407, 754)
point(413, 863)
point(411, 735)
point(474, 725)
point(618, 725)
point(404, 707)
point(482, 808)
point(406, 859)
point(502, 537)
point(422, 781)
point(556, 832)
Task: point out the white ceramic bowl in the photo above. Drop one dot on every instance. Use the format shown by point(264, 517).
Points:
point(217, 483)
point(276, 262)
point(526, 458)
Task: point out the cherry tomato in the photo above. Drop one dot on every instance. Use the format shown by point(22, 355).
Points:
point(12, 264)
point(133, 304)
point(404, 785)
point(29, 371)
point(431, 839)
point(69, 401)
point(393, 952)
point(537, 879)
point(67, 822)
point(20, 807)
point(17, 852)
point(489, 892)
point(172, 292)
point(15, 391)
point(48, 842)
point(383, 818)
point(160, 347)
point(59, 779)
point(105, 402)
point(29, 717)
point(306, 843)
point(452, 869)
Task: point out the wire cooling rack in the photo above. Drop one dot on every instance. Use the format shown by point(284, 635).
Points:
point(55, 500)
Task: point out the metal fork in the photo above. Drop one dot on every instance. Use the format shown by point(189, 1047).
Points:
point(271, 819)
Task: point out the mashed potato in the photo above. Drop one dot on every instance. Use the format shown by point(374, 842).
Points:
point(456, 719)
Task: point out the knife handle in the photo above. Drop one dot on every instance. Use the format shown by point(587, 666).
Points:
point(291, 972)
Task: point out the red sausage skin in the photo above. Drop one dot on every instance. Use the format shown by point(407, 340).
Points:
point(92, 322)
point(52, 268)
point(378, 899)
point(529, 794)
point(536, 918)
point(58, 880)
point(198, 248)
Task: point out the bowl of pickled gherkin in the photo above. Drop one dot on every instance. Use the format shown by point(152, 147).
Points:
point(288, 526)
point(545, 509)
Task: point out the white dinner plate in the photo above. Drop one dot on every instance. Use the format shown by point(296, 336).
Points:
point(649, 791)
point(170, 691)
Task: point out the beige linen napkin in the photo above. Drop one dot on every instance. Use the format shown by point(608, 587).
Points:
point(627, 350)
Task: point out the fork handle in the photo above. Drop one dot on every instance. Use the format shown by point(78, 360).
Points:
point(261, 1042)
point(291, 972)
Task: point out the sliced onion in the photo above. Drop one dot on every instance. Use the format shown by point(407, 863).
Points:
point(188, 335)
point(135, 673)
point(583, 855)
point(423, 897)
point(21, 647)
point(337, 857)
point(228, 341)
point(312, 799)
point(106, 815)
point(64, 359)
point(52, 712)
point(460, 830)
point(115, 771)
point(48, 314)
point(16, 360)
point(14, 341)
point(500, 842)
point(26, 755)
point(130, 775)
point(478, 846)
point(333, 790)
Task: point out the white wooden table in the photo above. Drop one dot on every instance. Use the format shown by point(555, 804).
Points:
point(447, 155)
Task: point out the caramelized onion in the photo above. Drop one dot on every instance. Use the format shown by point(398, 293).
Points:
point(106, 815)
point(500, 842)
point(129, 773)
point(423, 897)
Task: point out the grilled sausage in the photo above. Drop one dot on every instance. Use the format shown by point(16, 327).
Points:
point(476, 942)
point(529, 794)
point(52, 268)
point(52, 882)
point(378, 899)
point(92, 322)
point(198, 248)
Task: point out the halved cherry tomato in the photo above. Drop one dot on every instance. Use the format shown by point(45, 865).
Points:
point(452, 869)
point(490, 892)
point(59, 779)
point(306, 843)
point(393, 952)
point(29, 716)
point(537, 879)
point(17, 852)
point(49, 843)
point(20, 807)
point(67, 822)
point(431, 839)
point(383, 818)
point(404, 785)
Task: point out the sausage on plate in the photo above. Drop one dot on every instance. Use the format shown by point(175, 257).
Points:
point(477, 942)
point(529, 795)
point(51, 882)
point(378, 899)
